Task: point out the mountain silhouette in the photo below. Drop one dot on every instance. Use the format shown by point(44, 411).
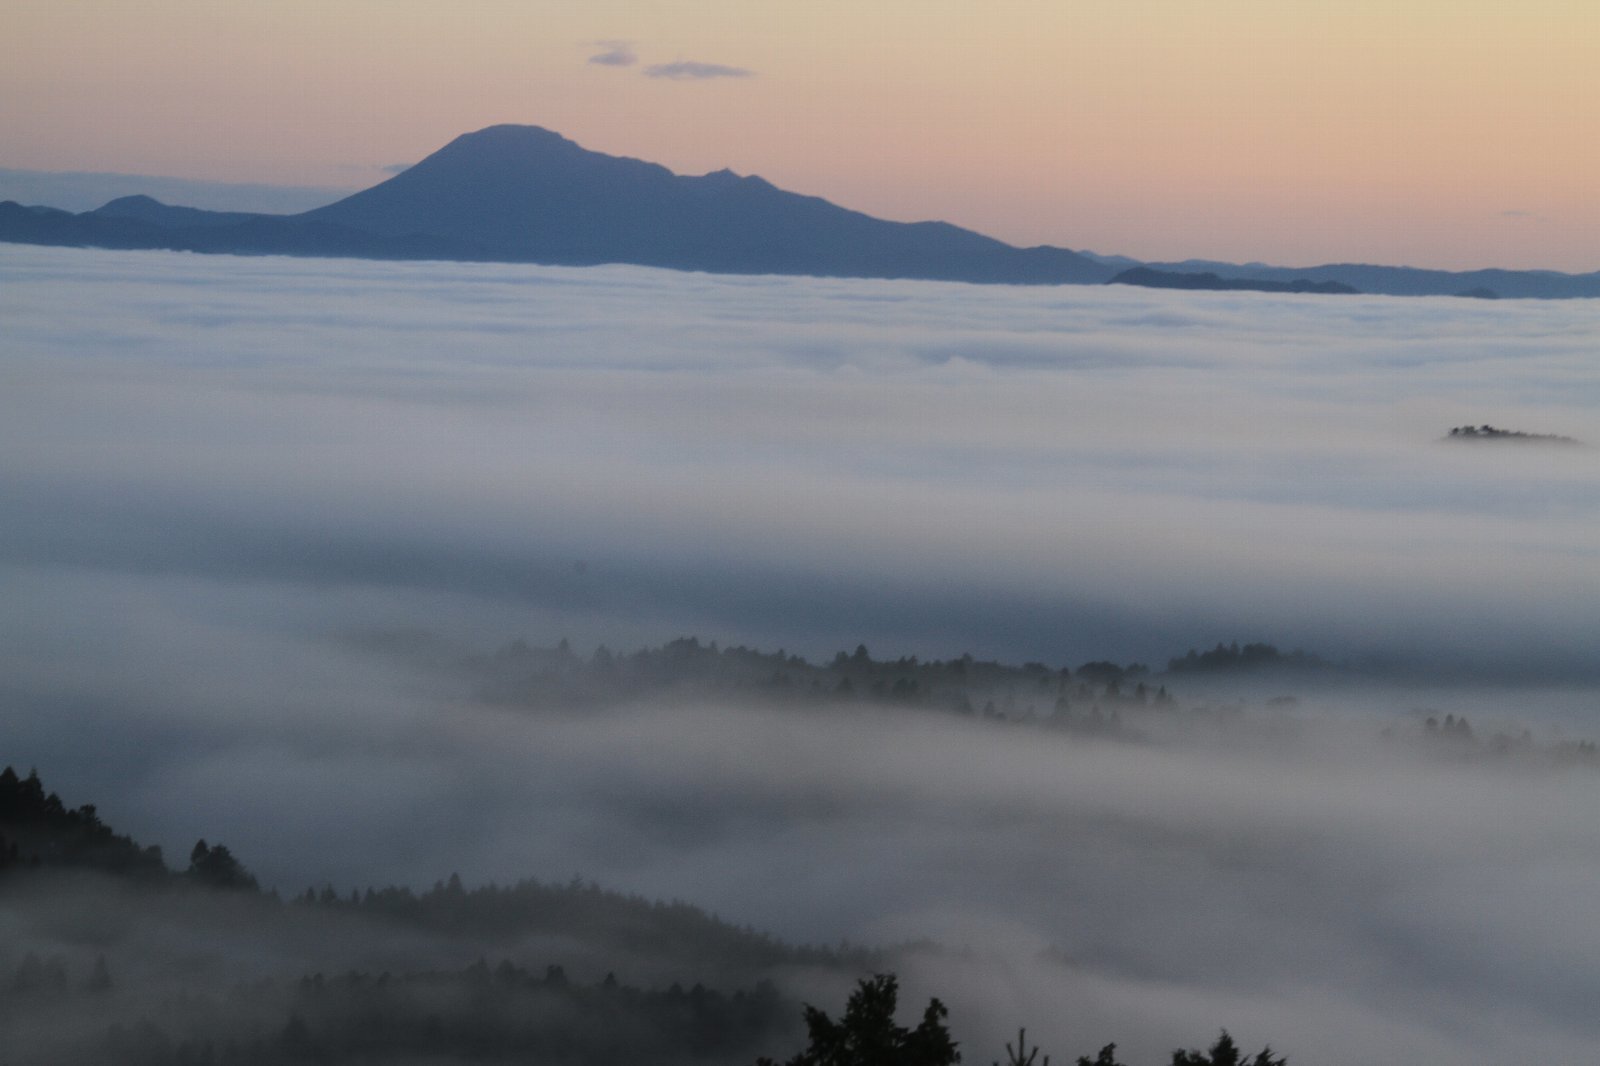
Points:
point(148, 209)
point(526, 194)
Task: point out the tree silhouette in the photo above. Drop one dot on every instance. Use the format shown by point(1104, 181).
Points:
point(1020, 1055)
point(1107, 1057)
point(216, 867)
point(868, 1036)
point(1225, 1053)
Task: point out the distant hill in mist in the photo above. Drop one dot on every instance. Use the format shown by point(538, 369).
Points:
point(1409, 281)
point(84, 190)
point(1166, 279)
point(527, 194)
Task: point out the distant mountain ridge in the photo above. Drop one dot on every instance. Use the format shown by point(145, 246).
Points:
point(527, 194)
point(1411, 281)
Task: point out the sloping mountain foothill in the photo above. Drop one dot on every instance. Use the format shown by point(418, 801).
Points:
point(74, 1006)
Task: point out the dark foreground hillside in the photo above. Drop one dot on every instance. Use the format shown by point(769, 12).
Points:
point(122, 959)
point(204, 991)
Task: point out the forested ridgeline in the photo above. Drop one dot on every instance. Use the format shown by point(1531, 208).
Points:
point(965, 683)
point(98, 895)
point(501, 1013)
point(40, 834)
point(1090, 697)
point(1096, 699)
point(69, 1011)
point(625, 923)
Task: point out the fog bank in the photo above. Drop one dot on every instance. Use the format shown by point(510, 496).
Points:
point(625, 454)
point(266, 521)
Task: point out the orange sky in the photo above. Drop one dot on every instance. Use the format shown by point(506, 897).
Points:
point(1454, 134)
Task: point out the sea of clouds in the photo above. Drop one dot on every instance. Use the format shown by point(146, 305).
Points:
point(622, 454)
point(254, 509)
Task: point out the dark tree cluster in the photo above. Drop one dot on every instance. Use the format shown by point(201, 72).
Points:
point(482, 1014)
point(1083, 700)
point(216, 867)
point(499, 1014)
point(1452, 728)
point(607, 922)
point(1233, 656)
point(1452, 735)
point(616, 921)
point(1579, 751)
point(1151, 278)
point(1488, 432)
point(48, 975)
point(37, 829)
point(1226, 1053)
point(868, 1035)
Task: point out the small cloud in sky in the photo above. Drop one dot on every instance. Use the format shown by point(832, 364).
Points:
point(1526, 216)
point(395, 168)
point(613, 54)
point(689, 70)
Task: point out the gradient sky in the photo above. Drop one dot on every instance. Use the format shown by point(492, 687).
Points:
point(1457, 134)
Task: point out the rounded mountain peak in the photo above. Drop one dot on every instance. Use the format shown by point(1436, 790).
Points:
point(512, 133)
point(508, 141)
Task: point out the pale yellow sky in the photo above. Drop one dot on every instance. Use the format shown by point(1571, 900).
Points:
point(1455, 134)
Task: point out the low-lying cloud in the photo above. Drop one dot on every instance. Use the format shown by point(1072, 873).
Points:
point(614, 54)
point(690, 70)
point(1292, 875)
point(259, 510)
point(1053, 474)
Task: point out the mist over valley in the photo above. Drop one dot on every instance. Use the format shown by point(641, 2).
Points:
point(854, 615)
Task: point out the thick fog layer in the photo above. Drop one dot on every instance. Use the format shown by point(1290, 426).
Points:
point(624, 454)
point(258, 511)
